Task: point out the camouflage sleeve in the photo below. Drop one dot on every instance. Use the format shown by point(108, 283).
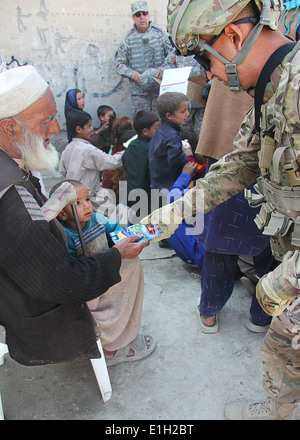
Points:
point(227, 177)
point(276, 289)
point(169, 51)
point(122, 60)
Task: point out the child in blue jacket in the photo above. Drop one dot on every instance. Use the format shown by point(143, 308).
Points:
point(166, 157)
point(183, 241)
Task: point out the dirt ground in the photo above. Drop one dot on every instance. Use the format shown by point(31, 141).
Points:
point(189, 377)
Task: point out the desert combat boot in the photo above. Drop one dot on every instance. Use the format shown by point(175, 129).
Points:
point(271, 409)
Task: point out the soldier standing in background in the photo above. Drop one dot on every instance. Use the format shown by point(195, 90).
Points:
point(239, 43)
point(142, 55)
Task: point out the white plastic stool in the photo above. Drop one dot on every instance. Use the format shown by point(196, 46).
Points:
point(101, 373)
point(1, 410)
point(99, 367)
point(3, 351)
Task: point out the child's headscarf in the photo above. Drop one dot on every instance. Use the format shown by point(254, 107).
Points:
point(71, 104)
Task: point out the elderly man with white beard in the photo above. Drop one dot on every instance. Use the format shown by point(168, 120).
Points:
point(43, 294)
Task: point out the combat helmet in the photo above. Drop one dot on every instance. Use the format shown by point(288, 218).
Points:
point(187, 19)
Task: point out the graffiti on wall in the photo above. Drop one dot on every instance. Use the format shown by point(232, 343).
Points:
point(14, 62)
point(71, 48)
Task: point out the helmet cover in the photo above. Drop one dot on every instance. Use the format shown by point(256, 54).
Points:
point(210, 17)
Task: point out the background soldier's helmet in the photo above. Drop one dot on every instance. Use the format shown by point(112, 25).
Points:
point(187, 19)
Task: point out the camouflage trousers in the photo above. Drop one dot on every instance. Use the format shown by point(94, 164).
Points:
point(143, 102)
point(281, 360)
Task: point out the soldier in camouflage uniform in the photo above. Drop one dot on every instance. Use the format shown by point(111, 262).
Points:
point(142, 55)
point(238, 42)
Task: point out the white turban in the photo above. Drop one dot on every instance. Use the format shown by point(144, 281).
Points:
point(19, 89)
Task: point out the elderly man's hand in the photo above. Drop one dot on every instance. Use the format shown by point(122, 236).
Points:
point(64, 195)
point(130, 247)
point(165, 219)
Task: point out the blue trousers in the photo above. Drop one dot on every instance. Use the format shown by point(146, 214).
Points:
point(217, 282)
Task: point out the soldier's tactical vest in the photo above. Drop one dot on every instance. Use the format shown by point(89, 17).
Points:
point(278, 188)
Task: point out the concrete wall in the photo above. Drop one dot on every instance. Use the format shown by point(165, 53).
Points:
point(72, 44)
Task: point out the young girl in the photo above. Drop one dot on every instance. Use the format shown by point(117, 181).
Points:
point(74, 101)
